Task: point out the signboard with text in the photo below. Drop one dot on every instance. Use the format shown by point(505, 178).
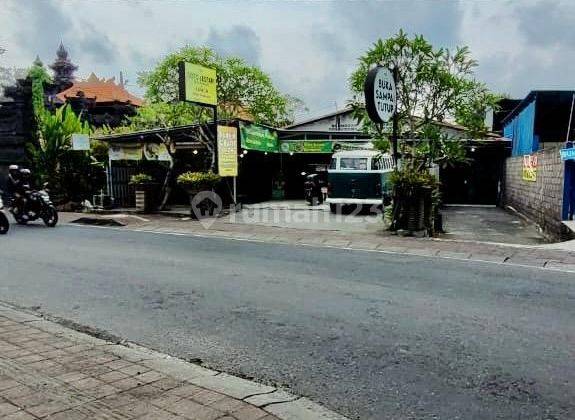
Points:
point(198, 84)
point(380, 94)
point(125, 152)
point(227, 151)
point(307, 146)
point(255, 137)
point(156, 151)
point(80, 142)
point(568, 154)
point(529, 168)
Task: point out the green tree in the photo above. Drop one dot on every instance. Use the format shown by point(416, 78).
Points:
point(433, 85)
point(244, 91)
point(73, 175)
point(39, 77)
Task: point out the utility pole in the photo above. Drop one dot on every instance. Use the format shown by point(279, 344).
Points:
point(395, 120)
point(570, 119)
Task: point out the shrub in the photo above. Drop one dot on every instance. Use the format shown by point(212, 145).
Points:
point(141, 179)
point(198, 180)
point(408, 178)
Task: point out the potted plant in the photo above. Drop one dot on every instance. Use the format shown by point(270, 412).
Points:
point(413, 200)
point(145, 192)
point(196, 182)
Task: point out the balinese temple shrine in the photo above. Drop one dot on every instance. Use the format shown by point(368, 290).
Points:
point(104, 101)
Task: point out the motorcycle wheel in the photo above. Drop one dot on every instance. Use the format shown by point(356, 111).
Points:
point(4, 224)
point(20, 221)
point(50, 217)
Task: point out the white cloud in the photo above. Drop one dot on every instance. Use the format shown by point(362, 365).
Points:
point(309, 48)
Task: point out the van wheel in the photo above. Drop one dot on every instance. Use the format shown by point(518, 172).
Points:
point(335, 208)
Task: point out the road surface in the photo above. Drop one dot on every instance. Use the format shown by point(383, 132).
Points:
point(370, 335)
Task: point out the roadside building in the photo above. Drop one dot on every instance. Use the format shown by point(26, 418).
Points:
point(478, 182)
point(102, 101)
point(273, 162)
point(538, 182)
point(270, 160)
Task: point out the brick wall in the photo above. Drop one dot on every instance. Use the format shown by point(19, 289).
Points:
point(541, 201)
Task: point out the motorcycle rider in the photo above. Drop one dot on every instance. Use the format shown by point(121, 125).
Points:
point(22, 192)
point(13, 180)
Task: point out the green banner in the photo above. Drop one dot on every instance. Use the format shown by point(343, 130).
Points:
point(255, 137)
point(306, 146)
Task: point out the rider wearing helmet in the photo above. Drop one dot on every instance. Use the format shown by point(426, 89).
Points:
point(22, 193)
point(13, 179)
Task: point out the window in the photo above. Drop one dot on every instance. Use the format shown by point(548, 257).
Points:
point(357, 164)
point(377, 164)
point(333, 163)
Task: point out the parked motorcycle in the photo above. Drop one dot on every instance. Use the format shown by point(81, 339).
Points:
point(4, 223)
point(315, 189)
point(34, 205)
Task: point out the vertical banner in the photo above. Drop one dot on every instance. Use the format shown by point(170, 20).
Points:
point(227, 151)
point(530, 168)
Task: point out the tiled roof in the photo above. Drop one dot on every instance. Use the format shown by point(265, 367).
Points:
point(101, 90)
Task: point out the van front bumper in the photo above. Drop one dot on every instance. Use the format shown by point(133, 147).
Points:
point(371, 201)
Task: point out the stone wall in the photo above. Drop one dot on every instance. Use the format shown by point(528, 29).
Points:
point(16, 125)
point(540, 201)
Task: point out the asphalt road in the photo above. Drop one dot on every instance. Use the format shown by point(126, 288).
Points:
point(370, 335)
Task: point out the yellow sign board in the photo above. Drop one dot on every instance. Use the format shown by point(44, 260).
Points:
point(227, 151)
point(198, 84)
point(530, 168)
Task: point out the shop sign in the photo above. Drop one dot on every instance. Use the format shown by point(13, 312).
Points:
point(339, 146)
point(380, 94)
point(198, 84)
point(80, 142)
point(227, 151)
point(568, 154)
point(156, 151)
point(530, 168)
point(255, 137)
point(307, 146)
point(125, 152)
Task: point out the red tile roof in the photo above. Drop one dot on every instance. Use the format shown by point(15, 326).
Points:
point(101, 90)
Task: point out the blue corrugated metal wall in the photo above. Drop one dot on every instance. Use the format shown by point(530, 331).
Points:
point(521, 130)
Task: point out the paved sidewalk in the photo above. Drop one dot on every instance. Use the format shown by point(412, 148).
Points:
point(48, 371)
point(541, 256)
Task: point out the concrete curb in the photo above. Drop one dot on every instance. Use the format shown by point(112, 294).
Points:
point(504, 259)
point(275, 401)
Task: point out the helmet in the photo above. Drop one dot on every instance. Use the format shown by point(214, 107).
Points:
point(25, 171)
point(13, 167)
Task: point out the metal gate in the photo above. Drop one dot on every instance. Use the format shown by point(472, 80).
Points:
point(122, 192)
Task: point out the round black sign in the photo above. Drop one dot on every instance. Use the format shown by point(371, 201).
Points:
point(380, 94)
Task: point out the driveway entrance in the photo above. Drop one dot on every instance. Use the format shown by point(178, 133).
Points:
point(488, 224)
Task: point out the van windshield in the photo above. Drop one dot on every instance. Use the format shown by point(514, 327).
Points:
point(333, 163)
point(359, 164)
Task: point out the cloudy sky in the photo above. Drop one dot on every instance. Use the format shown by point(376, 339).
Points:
point(308, 47)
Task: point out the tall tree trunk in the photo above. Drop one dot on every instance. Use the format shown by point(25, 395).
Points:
point(169, 178)
point(167, 186)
